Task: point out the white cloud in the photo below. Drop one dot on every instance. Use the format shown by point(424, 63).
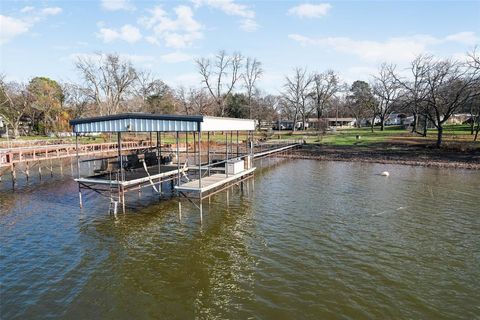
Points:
point(231, 8)
point(10, 27)
point(27, 9)
point(249, 25)
point(399, 49)
point(468, 38)
point(126, 33)
point(308, 10)
point(114, 5)
point(179, 32)
point(51, 11)
point(176, 57)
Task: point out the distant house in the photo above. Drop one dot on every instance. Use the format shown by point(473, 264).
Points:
point(332, 122)
point(395, 119)
point(459, 118)
point(288, 125)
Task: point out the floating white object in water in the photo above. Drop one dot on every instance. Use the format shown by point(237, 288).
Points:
point(385, 174)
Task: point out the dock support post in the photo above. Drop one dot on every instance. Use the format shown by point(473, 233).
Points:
point(179, 209)
point(194, 148)
point(120, 160)
point(186, 146)
point(80, 196)
point(178, 163)
point(231, 143)
point(200, 162)
point(78, 171)
point(208, 151)
point(238, 151)
point(226, 153)
point(123, 199)
point(159, 153)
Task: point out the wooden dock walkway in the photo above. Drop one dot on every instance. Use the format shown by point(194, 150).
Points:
point(17, 155)
point(211, 182)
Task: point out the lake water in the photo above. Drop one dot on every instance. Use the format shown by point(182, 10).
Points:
point(304, 239)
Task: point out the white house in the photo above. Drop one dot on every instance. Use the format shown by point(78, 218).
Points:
point(395, 119)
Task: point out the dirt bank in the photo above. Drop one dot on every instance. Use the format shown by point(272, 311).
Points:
point(416, 155)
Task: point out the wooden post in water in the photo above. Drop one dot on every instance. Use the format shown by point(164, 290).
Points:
point(27, 170)
point(14, 174)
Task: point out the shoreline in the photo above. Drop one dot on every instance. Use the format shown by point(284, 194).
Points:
point(411, 156)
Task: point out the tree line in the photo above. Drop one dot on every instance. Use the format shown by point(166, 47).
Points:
point(430, 89)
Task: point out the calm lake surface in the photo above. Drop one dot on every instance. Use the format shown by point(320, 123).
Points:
point(305, 239)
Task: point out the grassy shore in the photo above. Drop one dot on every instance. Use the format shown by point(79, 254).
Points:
point(394, 145)
point(458, 135)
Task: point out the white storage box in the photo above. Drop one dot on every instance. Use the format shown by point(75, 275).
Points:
point(235, 166)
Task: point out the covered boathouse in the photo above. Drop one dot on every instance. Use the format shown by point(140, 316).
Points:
point(193, 168)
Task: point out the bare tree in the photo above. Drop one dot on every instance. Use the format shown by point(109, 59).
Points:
point(387, 91)
point(108, 79)
point(253, 71)
point(220, 76)
point(325, 86)
point(76, 99)
point(200, 101)
point(15, 101)
point(450, 85)
point(265, 107)
point(296, 94)
point(184, 100)
point(473, 64)
point(415, 88)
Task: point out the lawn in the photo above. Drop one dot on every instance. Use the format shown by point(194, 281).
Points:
point(453, 134)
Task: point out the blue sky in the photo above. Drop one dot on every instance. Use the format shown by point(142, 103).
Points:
point(43, 38)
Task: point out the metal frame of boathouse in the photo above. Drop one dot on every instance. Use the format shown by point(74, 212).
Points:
point(119, 183)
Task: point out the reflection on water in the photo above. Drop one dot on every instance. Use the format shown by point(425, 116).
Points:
point(306, 239)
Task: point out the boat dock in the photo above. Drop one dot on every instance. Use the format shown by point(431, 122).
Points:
point(191, 173)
